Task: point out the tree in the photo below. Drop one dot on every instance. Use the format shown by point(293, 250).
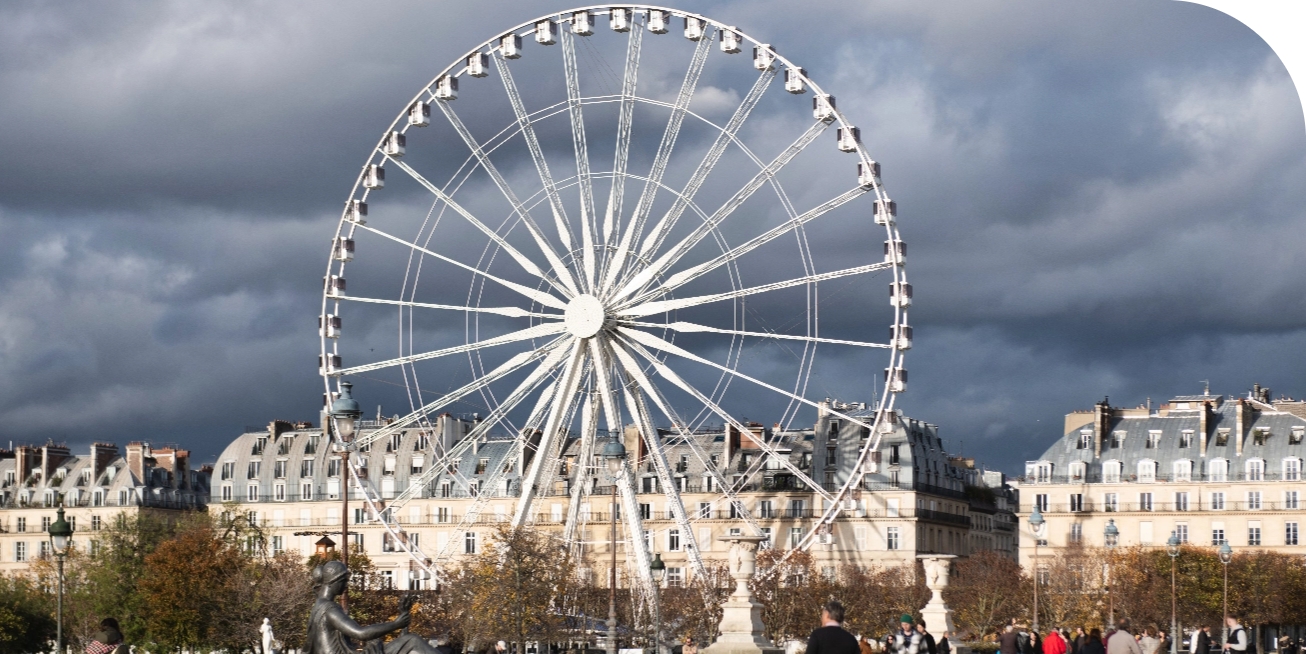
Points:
point(188, 584)
point(985, 591)
point(27, 622)
point(791, 592)
point(695, 609)
point(875, 596)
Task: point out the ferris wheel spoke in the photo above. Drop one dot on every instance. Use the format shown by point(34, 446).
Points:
point(685, 276)
point(660, 160)
point(661, 306)
point(506, 368)
point(588, 437)
point(526, 264)
point(625, 118)
point(632, 367)
point(709, 162)
point(559, 268)
point(602, 366)
point(693, 328)
point(581, 148)
point(536, 331)
point(533, 145)
point(510, 312)
point(546, 299)
point(671, 256)
point(566, 390)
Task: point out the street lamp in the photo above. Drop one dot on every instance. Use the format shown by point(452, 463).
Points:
point(1111, 536)
point(345, 412)
point(614, 456)
point(1172, 548)
point(1036, 524)
point(659, 570)
point(1226, 555)
point(61, 534)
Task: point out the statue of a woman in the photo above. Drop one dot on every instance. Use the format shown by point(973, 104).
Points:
point(332, 631)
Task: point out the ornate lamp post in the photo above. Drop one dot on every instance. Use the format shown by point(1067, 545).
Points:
point(1172, 548)
point(1110, 537)
point(1226, 555)
point(614, 456)
point(61, 534)
point(345, 412)
point(1036, 522)
point(659, 570)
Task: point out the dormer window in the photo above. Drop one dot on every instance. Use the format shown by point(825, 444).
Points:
point(1259, 436)
point(1219, 470)
point(1186, 438)
point(1153, 439)
point(1085, 440)
point(1111, 472)
point(1147, 471)
point(1183, 470)
point(1039, 471)
point(1078, 470)
point(1222, 438)
point(1297, 434)
point(1117, 439)
point(1255, 470)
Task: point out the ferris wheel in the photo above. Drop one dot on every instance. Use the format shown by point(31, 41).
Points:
point(635, 224)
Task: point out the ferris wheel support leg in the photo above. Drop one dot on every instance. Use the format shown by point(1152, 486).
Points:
point(638, 546)
point(567, 387)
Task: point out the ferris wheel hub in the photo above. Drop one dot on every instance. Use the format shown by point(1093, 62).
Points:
point(584, 316)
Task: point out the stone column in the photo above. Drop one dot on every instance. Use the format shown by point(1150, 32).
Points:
point(741, 615)
point(937, 615)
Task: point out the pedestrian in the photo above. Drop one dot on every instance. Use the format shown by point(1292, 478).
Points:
point(1054, 643)
point(831, 637)
point(1237, 636)
point(690, 646)
point(906, 640)
point(1121, 641)
point(1093, 643)
point(927, 639)
point(108, 640)
point(1009, 641)
point(1149, 643)
point(1164, 637)
point(1201, 641)
point(1077, 644)
point(944, 646)
point(864, 645)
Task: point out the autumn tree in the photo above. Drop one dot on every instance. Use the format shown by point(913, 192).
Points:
point(875, 596)
point(26, 616)
point(791, 591)
point(694, 609)
point(187, 585)
point(985, 591)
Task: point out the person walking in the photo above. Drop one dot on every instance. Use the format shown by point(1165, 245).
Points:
point(1093, 643)
point(1009, 641)
point(1077, 643)
point(906, 640)
point(1054, 643)
point(831, 637)
point(1121, 641)
point(927, 639)
point(108, 640)
point(1149, 643)
point(944, 646)
point(1200, 643)
point(1238, 640)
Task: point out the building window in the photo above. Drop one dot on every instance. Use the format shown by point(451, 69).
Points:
point(673, 540)
point(254, 469)
point(1222, 438)
point(893, 538)
point(1290, 534)
point(1217, 536)
point(280, 491)
point(1181, 530)
point(1153, 440)
point(333, 467)
point(859, 537)
point(1117, 439)
point(645, 511)
point(1111, 472)
point(1076, 502)
point(1217, 501)
point(796, 536)
point(766, 544)
point(306, 492)
point(1147, 471)
point(469, 543)
point(20, 551)
point(1290, 500)
point(795, 508)
point(1255, 470)
point(277, 545)
point(251, 493)
point(894, 457)
point(228, 469)
point(1041, 472)
point(442, 514)
point(1292, 469)
point(675, 577)
point(1076, 533)
point(306, 468)
point(1144, 501)
point(1186, 438)
point(1253, 500)
point(1111, 502)
point(765, 508)
point(1296, 436)
point(95, 523)
point(1077, 470)
point(1041, 502)
point(1181, 501)
point(226, 493)
point(1085, 440)
point(481, 465)
point(1254, 535)
point(1183, 470)
point(279, 469)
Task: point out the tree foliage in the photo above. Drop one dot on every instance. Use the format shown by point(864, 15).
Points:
point(26, 616)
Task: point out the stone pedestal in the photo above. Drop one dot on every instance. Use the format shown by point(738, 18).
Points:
point(937, 615)
point(741, 615)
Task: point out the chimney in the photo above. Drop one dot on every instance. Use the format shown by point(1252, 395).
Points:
point(136, 459)
point(183, 469)
point(1240, 420)
point(24, 461)
point(166, 458)
point(102, 454)
point(278, 427)
point(1101, 423)
point(51, 456)
point(1204, 426)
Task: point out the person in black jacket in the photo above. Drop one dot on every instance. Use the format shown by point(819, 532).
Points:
point(1093, 644)
point(927, 639)
point(831, 637)
point(1203, 641)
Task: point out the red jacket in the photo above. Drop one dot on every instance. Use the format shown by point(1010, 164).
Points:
point(1054, 644)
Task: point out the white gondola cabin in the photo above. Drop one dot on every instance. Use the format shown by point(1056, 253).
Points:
point(694, 28)
point(900, 337)
point(823, 107)
point(446, 88)
point(329, 364)
point(374, 177)
point(849, 137)
point(895, 252)
point(419, 115)
point(658, 21)
point(328, 326)
point(343, 249)
point(582, 23)
point(794, 80)
point(546, 32)
point(868, 174)
point(900, 294)
point(763, 57)
point(895, 379)
point(619, 19)
point(356, 212)
point(730, 41)
point(335, 286)
point(888, 423)
point(478, 64)
point(886, 212)
point(510, 46)
point(394, 144)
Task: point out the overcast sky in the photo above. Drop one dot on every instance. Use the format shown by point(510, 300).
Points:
point(1100, 199)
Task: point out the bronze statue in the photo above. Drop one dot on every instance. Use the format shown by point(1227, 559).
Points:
point(332, 631)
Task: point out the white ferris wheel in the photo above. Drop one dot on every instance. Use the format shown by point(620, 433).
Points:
point(609, 235)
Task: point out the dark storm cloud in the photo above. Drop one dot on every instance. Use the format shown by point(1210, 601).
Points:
point(1100, 199)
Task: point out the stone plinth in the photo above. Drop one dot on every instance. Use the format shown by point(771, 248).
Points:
point(937, 615)
point(741, 615)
